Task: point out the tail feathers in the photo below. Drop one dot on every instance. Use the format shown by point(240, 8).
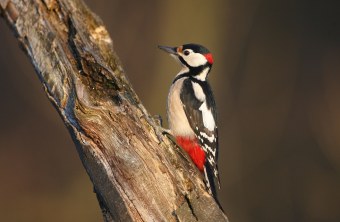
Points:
point(217, 177)
point(209, 180)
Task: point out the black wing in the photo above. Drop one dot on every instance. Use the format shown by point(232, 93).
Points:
point(207, 138)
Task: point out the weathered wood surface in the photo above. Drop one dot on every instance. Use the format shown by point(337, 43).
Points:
point(138, 174)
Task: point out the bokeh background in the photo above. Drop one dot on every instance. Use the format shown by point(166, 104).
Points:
point(277, 85)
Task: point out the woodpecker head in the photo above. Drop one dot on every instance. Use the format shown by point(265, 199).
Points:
point(194, 58)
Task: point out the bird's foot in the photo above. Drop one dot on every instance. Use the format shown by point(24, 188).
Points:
point(160, 130)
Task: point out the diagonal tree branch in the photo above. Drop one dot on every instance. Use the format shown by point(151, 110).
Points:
point(138, 174)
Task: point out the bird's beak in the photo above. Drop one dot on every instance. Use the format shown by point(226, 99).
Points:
point(170, 50)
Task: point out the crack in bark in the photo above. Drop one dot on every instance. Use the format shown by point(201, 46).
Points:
point(92, 70)
point(72, 46)
point(176, 216)
point(190, 207)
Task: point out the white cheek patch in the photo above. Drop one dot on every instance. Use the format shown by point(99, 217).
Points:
point(195, 59)
point(208, 118)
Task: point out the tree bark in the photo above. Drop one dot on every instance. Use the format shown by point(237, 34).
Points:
point(138, 174)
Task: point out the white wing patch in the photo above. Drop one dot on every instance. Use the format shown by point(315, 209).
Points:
point(199, 94)
point(208, 118)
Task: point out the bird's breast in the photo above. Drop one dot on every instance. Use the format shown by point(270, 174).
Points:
point(178, 122)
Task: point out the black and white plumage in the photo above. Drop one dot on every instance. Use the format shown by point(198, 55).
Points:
point(192, 110)
point(200, 109)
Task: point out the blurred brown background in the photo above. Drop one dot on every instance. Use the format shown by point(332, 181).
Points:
point(277, 85)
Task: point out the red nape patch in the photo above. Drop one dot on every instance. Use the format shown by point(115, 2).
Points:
point(209, 57)
point(194, 150)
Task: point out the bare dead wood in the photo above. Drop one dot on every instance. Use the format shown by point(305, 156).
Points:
point(137, 173)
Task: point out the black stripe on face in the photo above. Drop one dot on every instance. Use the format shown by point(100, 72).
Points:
point(183, 61)
point(193, 71)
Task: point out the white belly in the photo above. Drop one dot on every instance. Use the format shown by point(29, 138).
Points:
point(177, 119)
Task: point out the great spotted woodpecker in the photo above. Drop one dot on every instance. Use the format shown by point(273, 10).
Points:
point(191, 110)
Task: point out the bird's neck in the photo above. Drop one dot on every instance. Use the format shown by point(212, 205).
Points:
point(200, 73)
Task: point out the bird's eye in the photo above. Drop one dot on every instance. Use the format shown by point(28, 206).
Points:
point(186, 52)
